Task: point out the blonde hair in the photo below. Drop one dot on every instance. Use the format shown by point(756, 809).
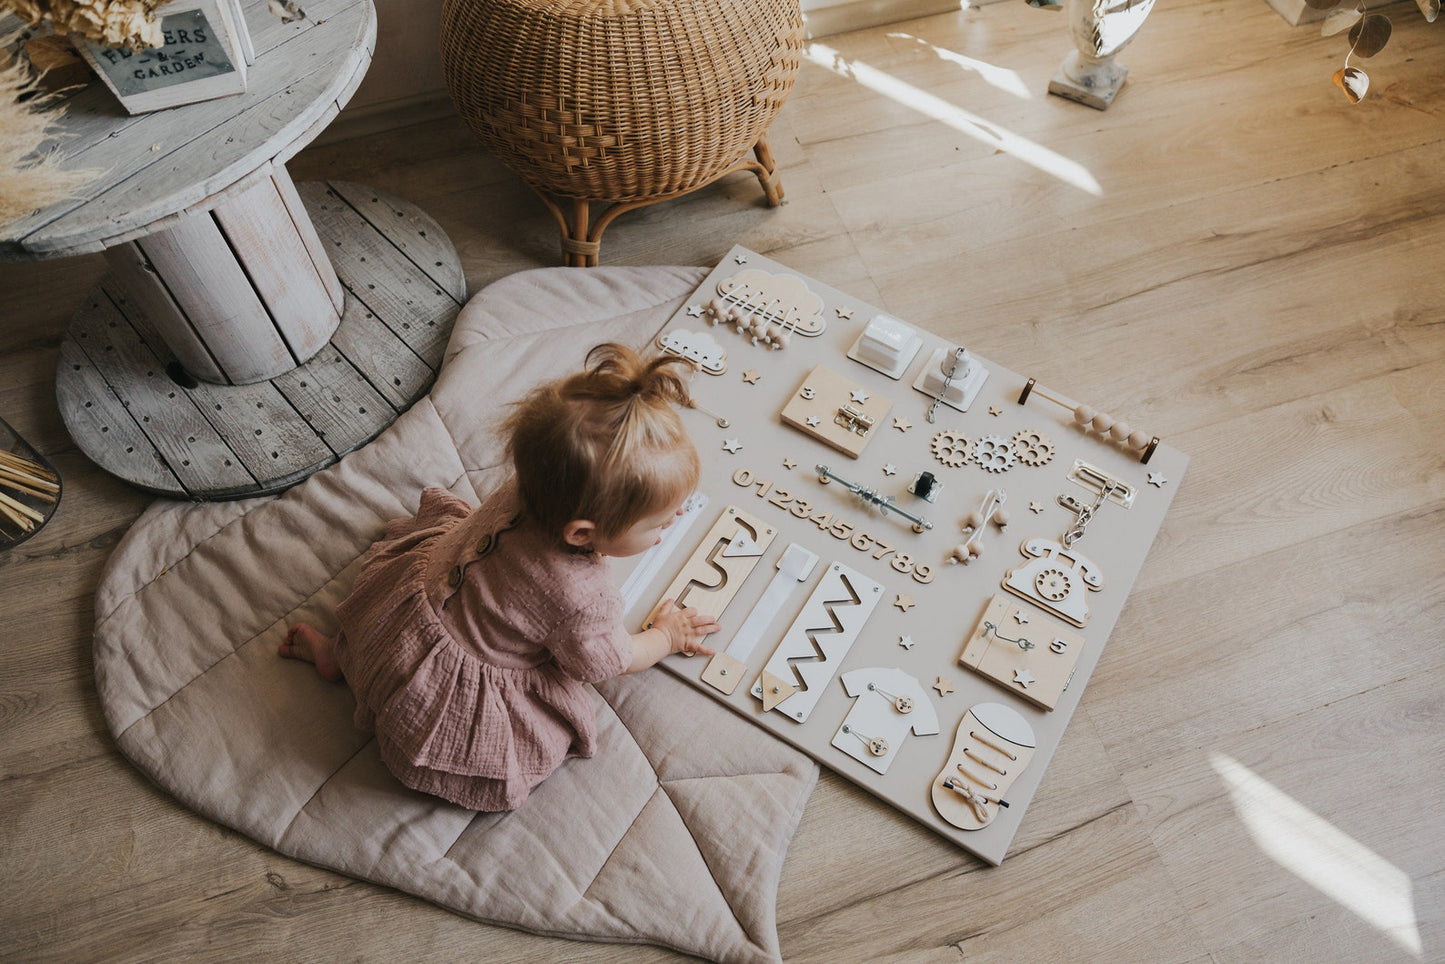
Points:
point(605, 444)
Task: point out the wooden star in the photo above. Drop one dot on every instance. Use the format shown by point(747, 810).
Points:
point(1023, 677)
point(1022, 617)
point(694, 311)
point(858, 395)
point(901, 423)
point(1157, 479)
point(944, 685)
point(732, 446)
point(906, 642)
point(890, 469)
point(1035, 507)
point(751, 376)
point(741, 259)
point(995, 410)
point(904, 601)
point(843, 311)
point(789, 463)
point(812, 421)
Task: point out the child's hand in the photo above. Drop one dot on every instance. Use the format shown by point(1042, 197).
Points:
point(685, 628)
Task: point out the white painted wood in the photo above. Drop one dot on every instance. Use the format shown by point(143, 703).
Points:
point(173, 423)
point(383, 277)
point(269, 245)
point(99, 423)
point(279, 430)
point(412, 231)
point(315, 250)
point(134, 281)
point(161, 163)
point(817, 642)
point(215, 294)
point(927, 602)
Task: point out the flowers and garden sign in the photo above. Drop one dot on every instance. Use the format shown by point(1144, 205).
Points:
point(199, 57)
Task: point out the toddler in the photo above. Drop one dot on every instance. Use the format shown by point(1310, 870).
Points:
point(470, 633)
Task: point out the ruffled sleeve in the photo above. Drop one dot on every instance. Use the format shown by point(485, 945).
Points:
point(591, 644)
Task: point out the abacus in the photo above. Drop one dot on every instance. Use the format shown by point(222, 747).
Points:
point(1086, 418)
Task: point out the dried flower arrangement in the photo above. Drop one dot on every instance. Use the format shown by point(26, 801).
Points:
point(112, 23)
point(29, 179)
point(1369, 32)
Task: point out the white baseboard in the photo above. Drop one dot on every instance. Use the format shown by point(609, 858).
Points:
point(824, 20)
point(366, 119)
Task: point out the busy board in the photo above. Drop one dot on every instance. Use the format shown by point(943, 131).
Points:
point(916, 555)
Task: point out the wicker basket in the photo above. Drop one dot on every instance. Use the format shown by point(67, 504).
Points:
point(626, 102)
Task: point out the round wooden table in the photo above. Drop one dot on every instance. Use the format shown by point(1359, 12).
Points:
point(250, 332)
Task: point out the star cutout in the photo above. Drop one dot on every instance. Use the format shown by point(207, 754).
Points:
point(751, 376)
point(906, 642)
point(1022, 617)
point(995, 410)
point(788, 463)
point(694, 311)
point(1035, 508)
point(741, 259)
point(890, 469)
point(732, 445)
point(812, 421)
point(844, 312)
point(1157, 479)
point(858, 395)
point(904, 601)
point(901, 423)
point(1023, 677)
point(944, 685)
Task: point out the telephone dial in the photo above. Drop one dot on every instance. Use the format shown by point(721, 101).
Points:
point(1057, 578)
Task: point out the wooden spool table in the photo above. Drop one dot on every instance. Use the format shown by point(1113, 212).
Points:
point(249, 332)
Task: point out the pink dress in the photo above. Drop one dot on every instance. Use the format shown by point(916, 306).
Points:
point(467, 640)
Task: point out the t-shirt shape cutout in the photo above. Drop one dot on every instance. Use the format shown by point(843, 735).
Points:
point(887, 704)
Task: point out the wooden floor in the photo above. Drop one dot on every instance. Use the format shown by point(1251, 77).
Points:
point(1231, 257)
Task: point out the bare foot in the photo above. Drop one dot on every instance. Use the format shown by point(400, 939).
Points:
point(306, 642)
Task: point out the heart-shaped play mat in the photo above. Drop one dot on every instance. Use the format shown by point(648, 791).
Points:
point(673, 834)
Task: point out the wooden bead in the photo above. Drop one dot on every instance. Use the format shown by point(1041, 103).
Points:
point(1000, 518)
point(973, 520)
point(1102, 422)
point(1119, 431)
point(1138, 440)
point(1083, 415)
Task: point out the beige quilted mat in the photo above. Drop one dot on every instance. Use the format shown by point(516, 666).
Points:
point(674, 834)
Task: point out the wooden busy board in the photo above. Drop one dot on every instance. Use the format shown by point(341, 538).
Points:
point(847, 632)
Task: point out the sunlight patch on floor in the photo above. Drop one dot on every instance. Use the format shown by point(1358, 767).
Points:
point(1035, 155)
point(1001, 78)
point(1321, 855)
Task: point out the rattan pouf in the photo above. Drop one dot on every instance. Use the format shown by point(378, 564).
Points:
point(621, 102)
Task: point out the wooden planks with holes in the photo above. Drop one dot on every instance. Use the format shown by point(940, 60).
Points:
point(135, 408)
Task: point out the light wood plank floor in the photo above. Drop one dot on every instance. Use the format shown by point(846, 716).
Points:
point(1231, 256)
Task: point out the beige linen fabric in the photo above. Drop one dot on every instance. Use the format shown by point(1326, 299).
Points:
point(673, 834)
